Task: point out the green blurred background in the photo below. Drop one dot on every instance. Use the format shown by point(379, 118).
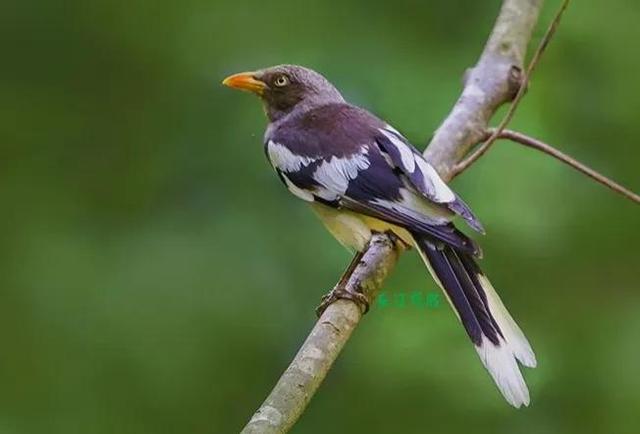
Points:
point(155, 277)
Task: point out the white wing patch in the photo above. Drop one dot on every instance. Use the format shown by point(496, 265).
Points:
point(326, 194)
point(393, 130)
point(414, 207)
point(406, 154)
point(441, 191)
point(285, 160)
point(297, 191)
point(336, 173)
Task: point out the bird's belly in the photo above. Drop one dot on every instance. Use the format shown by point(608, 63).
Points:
point(354, 230)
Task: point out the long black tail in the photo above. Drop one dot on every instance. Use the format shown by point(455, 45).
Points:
point(497, 338)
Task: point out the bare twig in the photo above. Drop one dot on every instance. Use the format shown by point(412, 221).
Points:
point(550, 150)
point(551, 30)
point(490, 83)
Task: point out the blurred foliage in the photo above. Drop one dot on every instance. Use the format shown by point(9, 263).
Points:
point(157, 278)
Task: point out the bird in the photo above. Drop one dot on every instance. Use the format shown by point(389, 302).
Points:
point(361, 176)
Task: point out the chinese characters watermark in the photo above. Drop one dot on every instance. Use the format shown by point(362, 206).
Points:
point(418, 299)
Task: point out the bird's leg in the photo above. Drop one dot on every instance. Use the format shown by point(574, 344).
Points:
point(345, 291)
point(354, 292)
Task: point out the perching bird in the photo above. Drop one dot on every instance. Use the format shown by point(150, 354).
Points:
point(362, 176)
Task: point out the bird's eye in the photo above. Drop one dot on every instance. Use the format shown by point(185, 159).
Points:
point(281, 81)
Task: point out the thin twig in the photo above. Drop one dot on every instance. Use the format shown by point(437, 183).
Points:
point(550, 150)
point(551, 30)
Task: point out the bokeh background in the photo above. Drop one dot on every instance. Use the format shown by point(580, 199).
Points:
point(155, 276)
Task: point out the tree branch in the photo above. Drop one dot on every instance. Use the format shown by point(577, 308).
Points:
point(298, 384)
point(551, 30)
point(493, 81)
point(530, 142)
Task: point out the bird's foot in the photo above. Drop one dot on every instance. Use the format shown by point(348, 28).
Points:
point(340, 292)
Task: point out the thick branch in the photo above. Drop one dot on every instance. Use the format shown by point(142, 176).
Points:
point(551, 30)
point(493, 81)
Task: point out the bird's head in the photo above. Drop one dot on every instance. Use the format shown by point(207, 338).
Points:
point(284, 88)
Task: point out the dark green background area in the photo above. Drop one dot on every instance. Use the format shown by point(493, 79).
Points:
point(155, 277)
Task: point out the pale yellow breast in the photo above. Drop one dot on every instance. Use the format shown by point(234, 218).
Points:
point(353, 230)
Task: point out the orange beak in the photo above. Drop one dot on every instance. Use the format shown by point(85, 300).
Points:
point(245, 81)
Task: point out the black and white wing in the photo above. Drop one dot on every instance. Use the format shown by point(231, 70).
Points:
point(404, 156)
point(343, 166)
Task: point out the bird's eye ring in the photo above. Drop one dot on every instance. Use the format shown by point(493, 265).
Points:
point(281, 81)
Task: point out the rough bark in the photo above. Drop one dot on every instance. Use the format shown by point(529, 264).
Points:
point(493, 81)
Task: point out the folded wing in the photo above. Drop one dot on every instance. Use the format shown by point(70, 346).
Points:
point(402, 155)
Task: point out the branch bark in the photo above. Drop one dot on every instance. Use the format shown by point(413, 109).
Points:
point(524, 83)
point(298, 384)
point(493, 81)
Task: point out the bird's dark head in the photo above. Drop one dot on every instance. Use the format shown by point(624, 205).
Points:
point(285, 88)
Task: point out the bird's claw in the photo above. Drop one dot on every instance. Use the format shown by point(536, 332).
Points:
point(338, 293)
